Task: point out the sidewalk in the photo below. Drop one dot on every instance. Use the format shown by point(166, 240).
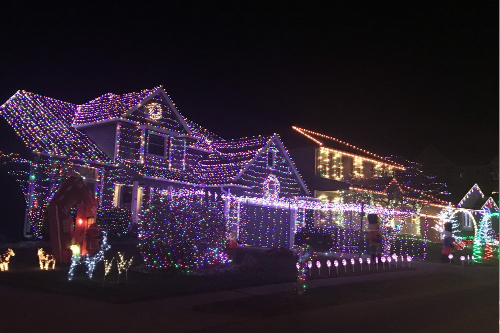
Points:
point(31, 311)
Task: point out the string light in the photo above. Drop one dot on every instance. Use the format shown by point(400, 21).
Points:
point(46, 260)
point(5, 259)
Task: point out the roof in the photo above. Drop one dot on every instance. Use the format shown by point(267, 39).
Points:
point(44, 124)
point(109, 106)
point(346, 148)
point(228, 159)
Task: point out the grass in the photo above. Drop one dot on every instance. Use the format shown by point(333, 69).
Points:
point(144, 283)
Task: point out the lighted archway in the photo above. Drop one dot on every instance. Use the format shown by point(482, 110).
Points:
point(466, 211)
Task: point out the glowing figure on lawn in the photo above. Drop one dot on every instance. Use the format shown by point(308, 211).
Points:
point(5, 259)
point(46, 260)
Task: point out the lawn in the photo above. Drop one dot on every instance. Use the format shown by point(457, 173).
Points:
point(251, 267)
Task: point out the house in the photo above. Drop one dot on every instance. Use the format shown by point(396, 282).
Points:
point(339, 172)
point(134, 148)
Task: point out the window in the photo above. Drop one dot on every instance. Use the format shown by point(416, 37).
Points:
point(122, 196)
point(467, 221)
point(270, 159)
point(347, 165)
point(156, 144)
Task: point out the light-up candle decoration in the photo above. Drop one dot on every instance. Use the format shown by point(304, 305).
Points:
point(369, 261)
point(462, 258)
point(383, 262)
point(344, 262)
point(352, 264)
point(389, 259)
point(409, 258)
point(450, 256)
point(361, 263)
point(318, 264)
point(328, 264)
point(336, 263)
point(309, 265)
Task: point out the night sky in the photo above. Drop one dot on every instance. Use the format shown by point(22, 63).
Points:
point(391, 77)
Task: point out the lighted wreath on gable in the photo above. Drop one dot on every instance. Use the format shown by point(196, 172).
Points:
point(271, 187)
point(154, 111)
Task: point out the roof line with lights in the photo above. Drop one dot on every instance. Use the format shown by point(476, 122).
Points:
point(307, 133)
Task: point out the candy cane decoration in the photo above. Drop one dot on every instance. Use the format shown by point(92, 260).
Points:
point(450, 256)
point(309, 264)
point(389, 261)
point(462, 258)
point(318, 264)
point(395, 257)
point(409, 258)
point(336, 263)
point(352, 264)
point(328, 264)
point(368, 261)
point(383, 262)
point(344, 262)
point(361, 263)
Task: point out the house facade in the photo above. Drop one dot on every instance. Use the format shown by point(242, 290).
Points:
point(135, 148)
point(339, 172)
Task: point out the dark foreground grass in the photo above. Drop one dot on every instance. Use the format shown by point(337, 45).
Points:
point(144, 284)
point(289, 302)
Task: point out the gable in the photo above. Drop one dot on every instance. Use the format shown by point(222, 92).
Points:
point(472, 197)
point(156, 111)
point(272, 164)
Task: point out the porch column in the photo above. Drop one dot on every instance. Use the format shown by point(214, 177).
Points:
point(293, 219)
point(135, 191)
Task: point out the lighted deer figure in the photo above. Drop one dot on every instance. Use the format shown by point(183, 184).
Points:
point(46, 260)
point(5, 258)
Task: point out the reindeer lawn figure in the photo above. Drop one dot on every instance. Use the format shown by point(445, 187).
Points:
point(5, 258)
point(46, 260)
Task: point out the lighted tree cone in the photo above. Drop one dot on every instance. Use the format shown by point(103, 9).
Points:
point(5, 259)
point(488, 252)
point(46, 260)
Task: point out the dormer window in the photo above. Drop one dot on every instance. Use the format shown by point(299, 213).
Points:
point(156, 144)
point(270, 159)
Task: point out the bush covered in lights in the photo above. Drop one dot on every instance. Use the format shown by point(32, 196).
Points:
point(182, 229)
